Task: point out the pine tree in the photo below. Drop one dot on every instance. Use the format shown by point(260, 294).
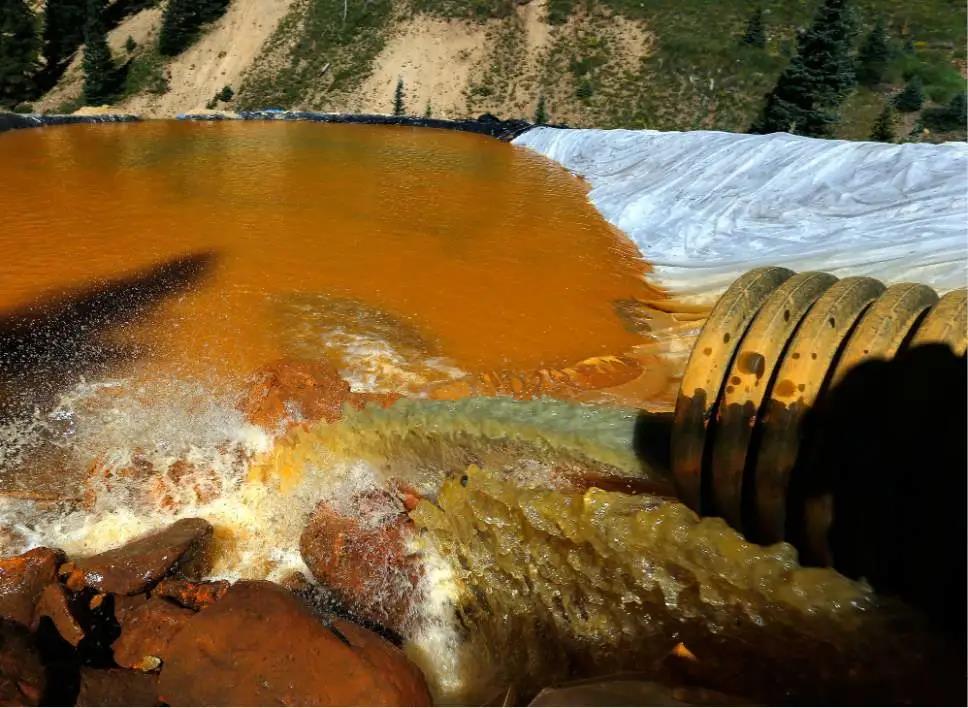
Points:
point(210, 10)
point(873, 56)
point(226, 94)
point(177, 27)
point(883, 129)
point(428, 110)
point(818, 78)
point(399, 108)
point(755, 31)
point(64, 22)
point(182, 21)
point(19, 46)
point(949, 118)
point(912, 97)
point(98, 67)
point(541, 112)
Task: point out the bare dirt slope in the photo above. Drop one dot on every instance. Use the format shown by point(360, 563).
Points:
point(453, 67)
point(460, 67)
point(216, 60)
point(219, 58)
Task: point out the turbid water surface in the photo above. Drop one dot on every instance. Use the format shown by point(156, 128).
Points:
point(442, 245)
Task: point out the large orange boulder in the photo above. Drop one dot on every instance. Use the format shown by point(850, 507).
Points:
point(260, 645)
point(137, 566)
point(363, 559)
point(291, 391)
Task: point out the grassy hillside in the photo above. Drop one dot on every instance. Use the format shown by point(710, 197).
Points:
point(664, 64)
point(695, 74)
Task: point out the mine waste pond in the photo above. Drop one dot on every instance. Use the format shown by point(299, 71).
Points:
point(425, 343)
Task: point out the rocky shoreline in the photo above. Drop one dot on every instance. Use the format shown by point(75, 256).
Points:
point(138, 625)
point(16, 121)
point(485, 124)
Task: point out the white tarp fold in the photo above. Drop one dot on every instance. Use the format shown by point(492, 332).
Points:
point(704, 207)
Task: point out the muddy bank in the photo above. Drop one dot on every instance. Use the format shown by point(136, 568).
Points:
point(486, 124)
point(13, 121)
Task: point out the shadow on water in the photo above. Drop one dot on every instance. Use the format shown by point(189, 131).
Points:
point(52, 341)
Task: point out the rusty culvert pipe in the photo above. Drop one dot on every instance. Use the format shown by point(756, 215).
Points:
point(831, 414)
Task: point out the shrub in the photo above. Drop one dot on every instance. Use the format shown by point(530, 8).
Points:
point(398, 99)
point(541, 113)
point(883, 129)
point(755, 31)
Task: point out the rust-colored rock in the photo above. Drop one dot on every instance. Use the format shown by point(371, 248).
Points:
point(146, 633)
point(260, 645)
point(21, 673)
point(117, 687)
point(170, 488)
point(55, 604)
point(187, 593)
point(363, 559)
point(290, 391)
point(364, 399)
point(138, 565)
point(23, 578)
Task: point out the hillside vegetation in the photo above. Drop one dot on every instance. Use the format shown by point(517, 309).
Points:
point(663, 64)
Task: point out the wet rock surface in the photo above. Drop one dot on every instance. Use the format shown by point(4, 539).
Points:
point(22, 677)
point(147, 631)
point(191, 594)
point(292, 390)
point(120, 629)
point(55, 604)
point(117, 687)
point(138, 565)
point(23, 578)
point(362, 558)
point(260, 645)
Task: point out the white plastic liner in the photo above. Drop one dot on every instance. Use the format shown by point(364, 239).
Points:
point(704, 207)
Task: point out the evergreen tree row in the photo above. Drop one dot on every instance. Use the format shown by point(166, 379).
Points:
point(183, 20)
point(19, 49)
point(99, 71)
point(64, 27)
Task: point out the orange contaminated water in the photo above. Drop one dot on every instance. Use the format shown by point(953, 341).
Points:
point(454, 246)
